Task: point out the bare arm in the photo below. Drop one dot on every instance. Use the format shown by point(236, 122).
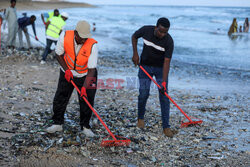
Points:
point(90, 77)
point(61, 61)
point(42, 18)
point(135, 57)
point(166, 67)
point(47, 24)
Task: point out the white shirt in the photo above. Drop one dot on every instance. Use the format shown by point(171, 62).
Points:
point(11, 16)
point(92, 61)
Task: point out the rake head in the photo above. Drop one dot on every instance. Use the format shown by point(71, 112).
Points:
point(194, 122)
point(120, 141)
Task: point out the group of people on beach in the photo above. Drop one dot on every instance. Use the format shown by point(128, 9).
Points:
point(234, 27)
point(77, 53)
point(17, 26)
point(53, 22)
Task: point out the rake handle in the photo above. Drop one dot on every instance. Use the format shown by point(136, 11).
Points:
point(166, 94)
point(38, 40)
point(84, 98)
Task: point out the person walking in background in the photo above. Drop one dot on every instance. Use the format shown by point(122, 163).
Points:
point(240, 29)
point(155, 58)
point(54, 28)
point(77, 54)
point(11, 17)
point(246, 25)
point(94, 28)
point(23, 23)
point(234, 27)
point(49, 15)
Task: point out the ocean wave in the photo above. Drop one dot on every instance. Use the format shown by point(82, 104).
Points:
point(218, 31)
point(221, 21)
point(244, 69)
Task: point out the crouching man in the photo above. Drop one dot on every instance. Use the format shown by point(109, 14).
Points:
point(77, 54)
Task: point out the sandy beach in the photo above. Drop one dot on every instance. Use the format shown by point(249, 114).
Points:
point(26, 95)
point(27, 90)
point(44, 5)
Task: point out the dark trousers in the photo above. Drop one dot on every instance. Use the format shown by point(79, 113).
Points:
point(144, 90)
point(47, 50)
point(63, 94)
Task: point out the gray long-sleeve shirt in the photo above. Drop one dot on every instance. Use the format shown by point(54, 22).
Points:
point(11, 17)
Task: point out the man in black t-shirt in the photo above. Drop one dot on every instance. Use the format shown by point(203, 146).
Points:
point(155, 58)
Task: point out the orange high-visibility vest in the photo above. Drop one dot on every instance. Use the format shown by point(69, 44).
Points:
point(78, 63)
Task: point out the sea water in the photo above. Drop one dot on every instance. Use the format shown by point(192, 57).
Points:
point(199, 33)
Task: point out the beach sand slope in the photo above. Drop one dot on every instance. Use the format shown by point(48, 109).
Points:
point(44, 5)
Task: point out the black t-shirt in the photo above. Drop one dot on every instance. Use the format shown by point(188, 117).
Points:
point(154, 49)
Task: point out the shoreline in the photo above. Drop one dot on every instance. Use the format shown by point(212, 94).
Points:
point(46, 5)
point(183, 75)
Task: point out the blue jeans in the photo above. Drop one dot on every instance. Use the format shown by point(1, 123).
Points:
point(144, 90)
point(47, 49)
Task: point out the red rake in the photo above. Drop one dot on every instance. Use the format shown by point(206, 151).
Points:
point(117, 140)
point(183, 124)
point(190, 123)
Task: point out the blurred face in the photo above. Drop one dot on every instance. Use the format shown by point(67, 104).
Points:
point(78, 39)
point(160, 31)
point(13, 4)
point(32, 20)
point(56, 13)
